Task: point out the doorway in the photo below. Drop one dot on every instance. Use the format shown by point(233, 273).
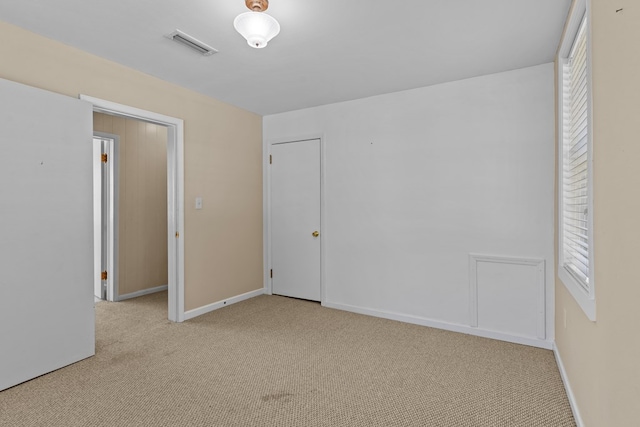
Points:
point(295, 219)
point(174, 196)
point(133, 160)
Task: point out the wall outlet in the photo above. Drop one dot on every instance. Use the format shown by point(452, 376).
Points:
point(198, 202)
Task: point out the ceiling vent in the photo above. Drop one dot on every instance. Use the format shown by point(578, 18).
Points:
point(192, 43)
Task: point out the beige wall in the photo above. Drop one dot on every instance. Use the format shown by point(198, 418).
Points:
point(602, 359)
point(142, 201)
point(223, 156)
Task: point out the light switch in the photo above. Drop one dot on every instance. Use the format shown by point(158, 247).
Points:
point(198, 202)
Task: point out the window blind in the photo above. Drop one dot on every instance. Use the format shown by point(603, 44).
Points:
point(576, 243)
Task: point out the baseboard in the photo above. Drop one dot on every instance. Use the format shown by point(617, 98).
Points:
point(216, 305)
point(442, 325)
point(567, 387)
point(142, 292)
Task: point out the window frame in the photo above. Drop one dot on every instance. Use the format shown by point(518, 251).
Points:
point(584, 298)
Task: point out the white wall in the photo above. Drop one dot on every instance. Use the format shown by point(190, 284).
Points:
point(418, 180)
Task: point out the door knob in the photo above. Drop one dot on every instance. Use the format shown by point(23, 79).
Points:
point(315, 234)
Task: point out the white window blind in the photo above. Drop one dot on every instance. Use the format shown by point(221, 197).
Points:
point(576, 245)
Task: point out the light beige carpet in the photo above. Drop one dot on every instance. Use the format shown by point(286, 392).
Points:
point(274, 361)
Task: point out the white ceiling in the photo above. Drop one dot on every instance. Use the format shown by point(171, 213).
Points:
point(327, 51)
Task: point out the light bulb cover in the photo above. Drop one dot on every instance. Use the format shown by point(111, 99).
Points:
point(257, 27)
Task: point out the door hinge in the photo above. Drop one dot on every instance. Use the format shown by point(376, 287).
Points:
point(270, 159)
point(104, 157)
point(103, 275)
point(177, 234)
point(271, 273)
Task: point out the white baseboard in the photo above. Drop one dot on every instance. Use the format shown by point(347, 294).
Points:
point(567, 387)
point(443, 325)
point(142, 292)
point(216, 305)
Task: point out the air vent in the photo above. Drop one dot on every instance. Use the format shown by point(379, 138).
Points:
point(191, 42)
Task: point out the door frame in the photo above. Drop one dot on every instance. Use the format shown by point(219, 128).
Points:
point(267, 209)
point(111, 206)
point(175, 193)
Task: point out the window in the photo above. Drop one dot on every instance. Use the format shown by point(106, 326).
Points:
point(575, 267)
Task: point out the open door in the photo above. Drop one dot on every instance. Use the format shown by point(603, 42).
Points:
point(104, 212)
point(47, 317)
point(99, 223)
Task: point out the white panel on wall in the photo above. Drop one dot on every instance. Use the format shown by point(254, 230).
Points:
point(507, 295)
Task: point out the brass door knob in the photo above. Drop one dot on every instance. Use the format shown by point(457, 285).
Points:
point(315, 234)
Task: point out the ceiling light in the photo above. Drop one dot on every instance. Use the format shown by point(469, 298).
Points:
point(256, 26)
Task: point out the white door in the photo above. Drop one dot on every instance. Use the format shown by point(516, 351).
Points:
point(104, 217)
point(295, 219)
point(47, 318)
point(99, 220)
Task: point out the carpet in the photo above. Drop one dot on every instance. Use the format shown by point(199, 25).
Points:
point(276, 361)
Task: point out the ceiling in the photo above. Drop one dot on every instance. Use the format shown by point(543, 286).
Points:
point(327, 51)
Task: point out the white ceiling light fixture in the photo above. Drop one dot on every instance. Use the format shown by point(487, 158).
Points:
point(256, 26)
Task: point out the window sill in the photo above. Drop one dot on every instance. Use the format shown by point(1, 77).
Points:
point(586, 303)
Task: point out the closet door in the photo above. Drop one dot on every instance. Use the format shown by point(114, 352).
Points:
point(295, 219)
